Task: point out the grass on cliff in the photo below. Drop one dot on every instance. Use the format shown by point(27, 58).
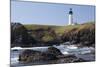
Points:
point(61, 29)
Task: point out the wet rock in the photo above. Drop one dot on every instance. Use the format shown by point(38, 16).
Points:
point(70, 59)
point(79, 60)
point(64, 59)
point(31, 56)
point(54, 51)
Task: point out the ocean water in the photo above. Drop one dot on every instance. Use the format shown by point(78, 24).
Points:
point(84, 52)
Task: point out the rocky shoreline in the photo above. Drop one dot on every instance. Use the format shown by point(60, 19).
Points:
point(81, 36)
point(53, 54)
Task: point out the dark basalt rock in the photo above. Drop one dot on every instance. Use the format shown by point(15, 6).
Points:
point(79, 60)
point(84, 35)
point(31, 56)
point(18, 33)
point(20, 36)
point(70, 59)
point(66, 59)
point(54, 51)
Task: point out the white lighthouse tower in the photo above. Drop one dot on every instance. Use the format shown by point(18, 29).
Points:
point(70, 20)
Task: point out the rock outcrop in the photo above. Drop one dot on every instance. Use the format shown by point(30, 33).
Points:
point(28, 56)
point(31, 55)
point(19, 36)
point(85, 35)
point(54, 51)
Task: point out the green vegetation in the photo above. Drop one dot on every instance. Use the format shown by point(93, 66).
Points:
point(47, 38)
point(46, 35)
point(84, 33)
point(60, 29)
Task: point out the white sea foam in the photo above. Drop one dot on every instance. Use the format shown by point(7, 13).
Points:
point(65, 49)
point(14, 60)
point(16, 48)
point(72, 47)
point(31, 48)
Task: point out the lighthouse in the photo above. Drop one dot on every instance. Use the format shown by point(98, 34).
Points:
point(70, 15)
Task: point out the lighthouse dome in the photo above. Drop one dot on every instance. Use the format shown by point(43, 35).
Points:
point(70, 12)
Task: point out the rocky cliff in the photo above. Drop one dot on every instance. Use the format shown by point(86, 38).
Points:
point(43, 35)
